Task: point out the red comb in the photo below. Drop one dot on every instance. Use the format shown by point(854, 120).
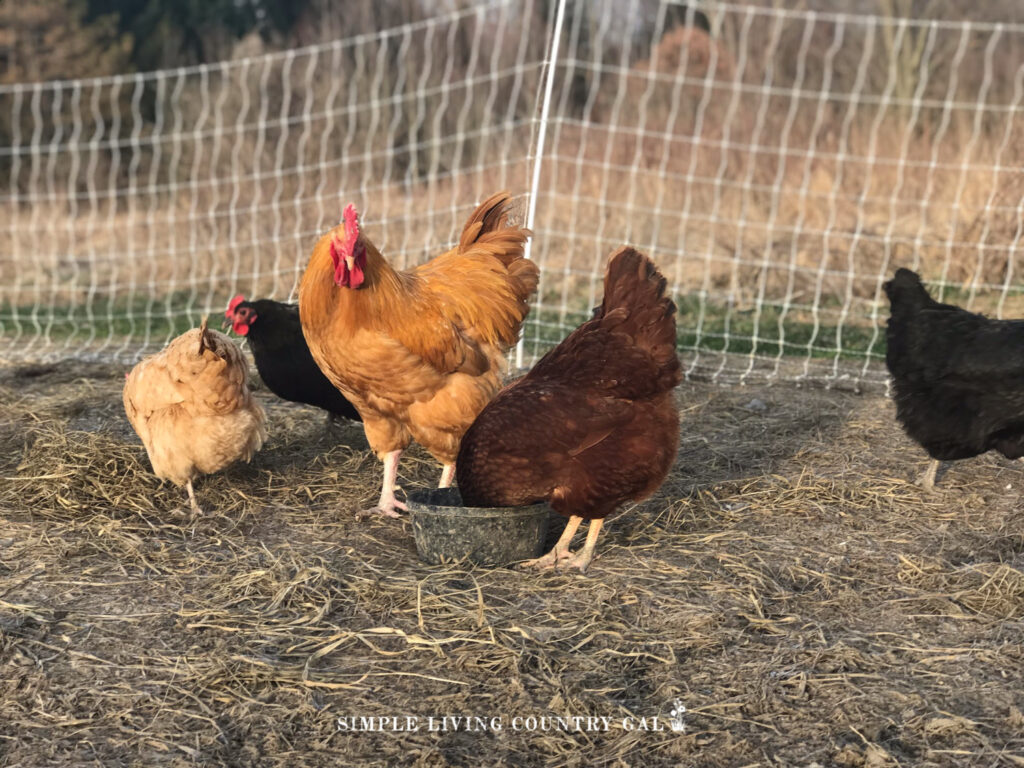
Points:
point(351, 230)
point(234, 305)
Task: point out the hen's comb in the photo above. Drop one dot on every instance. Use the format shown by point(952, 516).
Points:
point(351, 218)
point(233, 306)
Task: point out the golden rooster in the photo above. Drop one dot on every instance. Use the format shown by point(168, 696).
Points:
point(192, 408)
point(419, 353)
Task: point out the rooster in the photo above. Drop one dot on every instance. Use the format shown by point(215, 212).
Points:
point(594, 423)
point(282, 356)
point(419, 352)
point(192, 409)
point(958, 377)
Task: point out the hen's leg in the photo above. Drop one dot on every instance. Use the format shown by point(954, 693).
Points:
point(585, 555)
point(388, 504)
point(927, 478)
point(561, 549)
point(192, 499)
point(446, 476)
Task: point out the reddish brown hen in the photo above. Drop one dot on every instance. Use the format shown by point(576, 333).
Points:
point(594, 423)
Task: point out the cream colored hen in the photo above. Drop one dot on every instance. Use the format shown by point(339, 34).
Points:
point(192, 408)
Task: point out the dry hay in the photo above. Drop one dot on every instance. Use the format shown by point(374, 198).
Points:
point(789, 585)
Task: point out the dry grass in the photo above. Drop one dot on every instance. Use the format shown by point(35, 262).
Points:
point(788, 584)
point(774, 173)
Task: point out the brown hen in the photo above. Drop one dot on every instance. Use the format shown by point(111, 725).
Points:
point(594, 423)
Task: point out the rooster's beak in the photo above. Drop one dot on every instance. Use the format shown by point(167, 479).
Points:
point(350, 262)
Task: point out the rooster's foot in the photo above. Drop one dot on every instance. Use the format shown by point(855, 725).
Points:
point(386, 510)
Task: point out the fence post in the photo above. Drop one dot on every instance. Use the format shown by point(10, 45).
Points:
point(542, 131)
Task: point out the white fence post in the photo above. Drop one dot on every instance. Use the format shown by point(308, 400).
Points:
point(542, 130)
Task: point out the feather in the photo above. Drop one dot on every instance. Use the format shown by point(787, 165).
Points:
point(594, 423)
point(957, 376)
point(191, 406)
point(419, 352)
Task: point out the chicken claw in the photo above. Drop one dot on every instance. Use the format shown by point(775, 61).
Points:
point(580, 561)
point(194, 505)
point(561, 549)
point(928, 477)
point(583, 558)
point(550, 560)
point(388, 504)
point(387, 510)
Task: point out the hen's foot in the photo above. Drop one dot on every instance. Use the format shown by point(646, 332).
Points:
point(561, 549)
point(584, 556)
point(927, 479)
point(193, 504)
point(581, 561)
point(550, 560)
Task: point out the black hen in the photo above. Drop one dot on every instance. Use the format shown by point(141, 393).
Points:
point(282, 357)
point(958, 377)
point(594, 423)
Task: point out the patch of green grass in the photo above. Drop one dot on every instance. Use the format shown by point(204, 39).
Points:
point(116, 320)
point(703, 326)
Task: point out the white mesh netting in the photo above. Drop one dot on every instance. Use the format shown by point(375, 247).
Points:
point(776, 164)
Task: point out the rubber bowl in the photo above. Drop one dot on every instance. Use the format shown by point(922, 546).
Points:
point(445, 531)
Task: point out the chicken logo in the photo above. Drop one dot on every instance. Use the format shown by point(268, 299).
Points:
point(675, 720)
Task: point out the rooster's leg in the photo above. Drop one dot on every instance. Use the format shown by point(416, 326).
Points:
point(192, 499)
point(927, 478)
point(585, 555)
point(561, 549)
point(388, 504)
point(446, 476)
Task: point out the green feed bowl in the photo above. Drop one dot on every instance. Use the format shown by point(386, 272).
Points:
point(445, 531)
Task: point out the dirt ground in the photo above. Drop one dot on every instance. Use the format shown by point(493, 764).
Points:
point(789, 586)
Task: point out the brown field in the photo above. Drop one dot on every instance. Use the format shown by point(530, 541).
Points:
point(778, 171)
point(789, 585)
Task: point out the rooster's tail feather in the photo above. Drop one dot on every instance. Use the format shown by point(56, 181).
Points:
point(490, 216)
point(489, 227)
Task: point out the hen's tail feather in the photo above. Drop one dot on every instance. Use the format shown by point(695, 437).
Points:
point(635, 303)
point(203, 344)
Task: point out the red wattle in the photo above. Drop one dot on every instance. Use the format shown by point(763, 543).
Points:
point(356, 277)
point(341, 274)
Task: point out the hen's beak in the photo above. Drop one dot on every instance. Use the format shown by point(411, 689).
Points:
point(227, 323)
